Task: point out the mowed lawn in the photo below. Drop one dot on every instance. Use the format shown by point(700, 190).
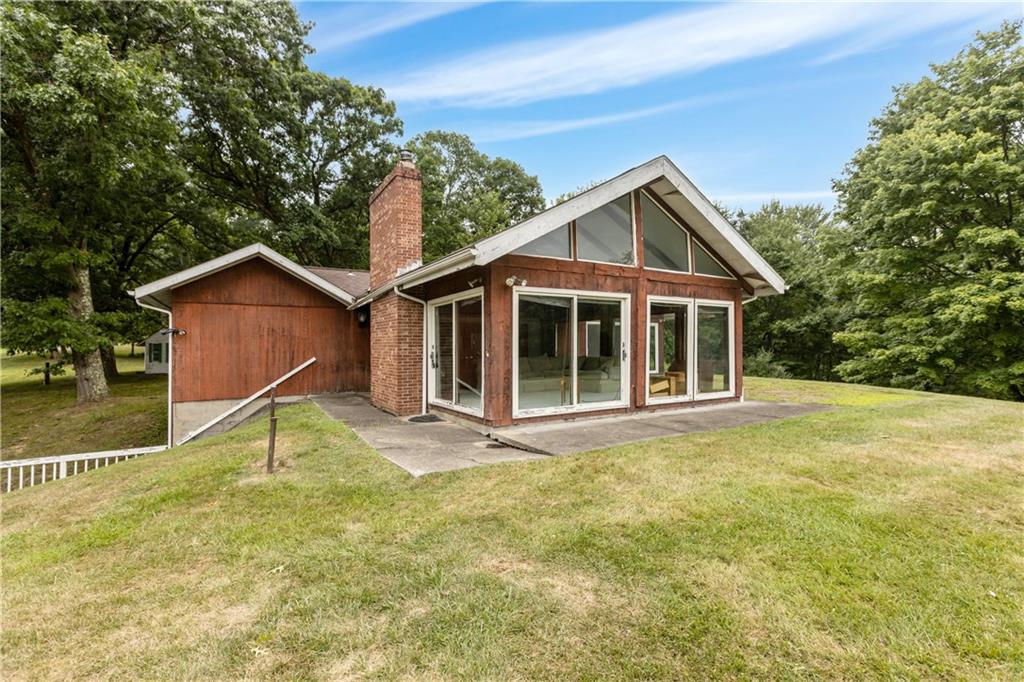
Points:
point(881, 539)
point(41, 420)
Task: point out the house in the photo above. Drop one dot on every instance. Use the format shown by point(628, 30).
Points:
point(629, 296)
point(157, 355)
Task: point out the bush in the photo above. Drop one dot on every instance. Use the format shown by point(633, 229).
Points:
point(763, 364)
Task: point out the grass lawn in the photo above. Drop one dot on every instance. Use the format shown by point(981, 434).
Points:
point(43, 420)
point(881, 539)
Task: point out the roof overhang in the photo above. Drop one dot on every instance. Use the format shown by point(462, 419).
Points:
point(660, 176)
point(157, 295)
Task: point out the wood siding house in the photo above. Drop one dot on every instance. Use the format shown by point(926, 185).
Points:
point(628, 296)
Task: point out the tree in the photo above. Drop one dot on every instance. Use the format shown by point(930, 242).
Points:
point(296, 151)
point(466, 194)
point(936, 230)
point(795, 330)
point(86, 139)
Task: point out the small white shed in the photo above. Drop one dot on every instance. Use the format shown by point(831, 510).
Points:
point(156, 353)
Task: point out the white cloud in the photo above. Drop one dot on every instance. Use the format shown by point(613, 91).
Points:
point(751, 197)
point(519, 130)
point(668, 44)
point(361, 21)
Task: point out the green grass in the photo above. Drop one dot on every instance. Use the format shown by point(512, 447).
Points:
point(41, 420)
point(881, 539)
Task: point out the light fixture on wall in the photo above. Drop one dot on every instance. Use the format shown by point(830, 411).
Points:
point(173, 331)
point(513, 281)
point(362, 316)
point(473, 283)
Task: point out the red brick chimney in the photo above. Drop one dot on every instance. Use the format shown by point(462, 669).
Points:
point(396, 222)
point(396, 323)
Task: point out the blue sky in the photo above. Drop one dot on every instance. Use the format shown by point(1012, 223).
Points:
point(751, 100)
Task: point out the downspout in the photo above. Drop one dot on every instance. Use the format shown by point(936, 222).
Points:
point(423, 378)
point(170, 367)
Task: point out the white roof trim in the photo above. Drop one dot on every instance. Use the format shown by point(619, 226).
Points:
point(495, 247)
point(157, 293)
point(703, 218)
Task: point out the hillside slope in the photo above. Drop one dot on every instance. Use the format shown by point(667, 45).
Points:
point(884, 538)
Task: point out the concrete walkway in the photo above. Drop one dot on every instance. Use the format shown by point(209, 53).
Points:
point(419, 448)
point(429, 447)
point(560, 438)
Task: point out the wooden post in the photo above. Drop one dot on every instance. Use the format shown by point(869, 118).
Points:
point(273, 432)
point(46, 374)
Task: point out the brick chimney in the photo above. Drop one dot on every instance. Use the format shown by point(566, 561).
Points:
point(396, 323)
point(396, 222)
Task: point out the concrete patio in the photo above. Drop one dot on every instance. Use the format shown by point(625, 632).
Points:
point(442, 445)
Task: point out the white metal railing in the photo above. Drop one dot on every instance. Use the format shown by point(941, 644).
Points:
point(16, 474)
point(235, 408)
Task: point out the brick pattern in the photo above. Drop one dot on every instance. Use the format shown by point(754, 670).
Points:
point(396, 355)
point(396, 323)
point(396, 224)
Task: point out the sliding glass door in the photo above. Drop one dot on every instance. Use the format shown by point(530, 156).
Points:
point(570, 351)
point(455, 362)
point(689, 349)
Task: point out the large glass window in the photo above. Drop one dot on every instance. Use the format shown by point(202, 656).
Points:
point(665, 243)
point(570, 351)
point(714, 364)
point(704, 264)
point(444, 343)
point(469, 346)
point(456, 353)
point(599, 367)
point(669, 327)
point(554, 244)
point(606, 234)
point(545, 348)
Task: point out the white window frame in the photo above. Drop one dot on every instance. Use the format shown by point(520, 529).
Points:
point(731, 307)
point(632, 225)
point(652, 328)
point(432, 306)
point(693, 263)
point(689, 241)
point(624, 300)
point(690, 385)
point(693, 306)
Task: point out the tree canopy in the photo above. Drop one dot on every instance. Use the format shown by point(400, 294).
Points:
point(466, 194)
point(934, 261)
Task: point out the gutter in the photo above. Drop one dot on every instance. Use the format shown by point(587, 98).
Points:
point(170, 365)
point(453, 262)
point(423, 363)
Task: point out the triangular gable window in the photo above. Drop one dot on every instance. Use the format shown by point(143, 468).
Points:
point(665, 243)
point(554, 244)
point(605, 234)
point(705, 264)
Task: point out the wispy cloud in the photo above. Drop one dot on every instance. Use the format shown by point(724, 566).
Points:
point(751, 197)
point(669, 44)
point(518, 130)
point(358, 22)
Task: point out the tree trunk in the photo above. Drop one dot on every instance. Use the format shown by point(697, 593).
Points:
point(109, 362)
point(89, 379)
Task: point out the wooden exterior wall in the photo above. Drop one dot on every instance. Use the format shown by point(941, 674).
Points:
point(636, 281)
point(249, 324)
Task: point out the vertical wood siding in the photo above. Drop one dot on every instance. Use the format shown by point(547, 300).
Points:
point(249, 324)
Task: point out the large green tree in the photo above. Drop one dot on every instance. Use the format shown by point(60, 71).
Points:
point(141, 137)
point(935, 208)
point(87, 139)
point(801, 242)
point(466, 194)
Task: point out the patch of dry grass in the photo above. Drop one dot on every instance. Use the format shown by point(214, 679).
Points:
point(881, 539)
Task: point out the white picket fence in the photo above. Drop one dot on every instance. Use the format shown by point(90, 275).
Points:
point(16, 474)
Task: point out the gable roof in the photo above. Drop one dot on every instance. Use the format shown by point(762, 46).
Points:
point(158, 294)
point(662, 177)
